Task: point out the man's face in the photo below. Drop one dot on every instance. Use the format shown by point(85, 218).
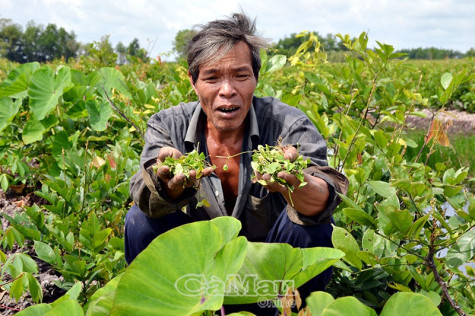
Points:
point(225, 89)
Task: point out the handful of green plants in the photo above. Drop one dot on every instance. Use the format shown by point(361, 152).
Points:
point(186, 163)
point(270, 160)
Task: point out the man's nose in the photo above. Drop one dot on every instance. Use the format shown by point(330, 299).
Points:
point(227, 89)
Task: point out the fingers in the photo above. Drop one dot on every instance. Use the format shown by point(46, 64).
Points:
point(207, 171)
point(169, 152)
point(275, 186)
point(290, 153)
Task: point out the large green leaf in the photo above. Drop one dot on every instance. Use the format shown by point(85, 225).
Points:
point(33, 131)
point(16, 84)
point(348, 306)
point(35, 310)
point(99, 113)
point(68, 307)
point(343, 240)
point(183, 271)
point(409, 304)
point(111, 78)
point(102, 300)
point(269, 269)
point(8, 109)
point(318, 301)
point(45, 89)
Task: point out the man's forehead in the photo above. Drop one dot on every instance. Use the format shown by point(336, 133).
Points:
point(239, 56)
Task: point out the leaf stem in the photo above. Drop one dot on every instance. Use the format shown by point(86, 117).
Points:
point(122, 114)
point(431, 264)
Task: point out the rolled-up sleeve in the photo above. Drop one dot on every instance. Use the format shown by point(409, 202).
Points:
point(304, 135)
point(336, 182)
point(145, 187)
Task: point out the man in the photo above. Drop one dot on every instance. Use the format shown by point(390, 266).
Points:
point(227, 120)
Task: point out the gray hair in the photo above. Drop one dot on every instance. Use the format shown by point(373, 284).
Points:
point(217, 38)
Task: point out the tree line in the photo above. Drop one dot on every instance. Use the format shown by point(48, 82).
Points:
point(328, 43)
point(42, 44)
point(39, 43)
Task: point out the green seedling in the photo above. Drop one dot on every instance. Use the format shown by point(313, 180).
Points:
point(270, 160)
point(185, 164)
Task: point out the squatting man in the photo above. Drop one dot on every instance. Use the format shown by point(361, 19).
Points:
point(226, 120)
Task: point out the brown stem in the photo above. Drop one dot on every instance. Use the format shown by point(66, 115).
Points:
point(431, 264)
point(10, 308)
point(353, 140)
point(122, 114)
point(11, 281)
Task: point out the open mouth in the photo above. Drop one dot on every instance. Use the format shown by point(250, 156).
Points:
point(228, 110)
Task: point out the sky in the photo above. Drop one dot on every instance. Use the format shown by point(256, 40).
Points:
point(446, 24)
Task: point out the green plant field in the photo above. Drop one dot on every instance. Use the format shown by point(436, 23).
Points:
point(73, 133)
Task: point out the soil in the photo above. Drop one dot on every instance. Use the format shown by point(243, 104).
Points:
point(13, 202)
point(457, 122)
point(10, 204)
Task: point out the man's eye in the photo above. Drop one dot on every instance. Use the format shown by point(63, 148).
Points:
point(242, 76)
point(212, 78)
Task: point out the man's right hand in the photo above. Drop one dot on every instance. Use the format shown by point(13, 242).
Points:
point(175, 185)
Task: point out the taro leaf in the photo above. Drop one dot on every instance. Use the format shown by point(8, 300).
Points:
point(382, 188)
point(16, 84)
point(317, 301)
point(102, 300)
point(8, 109)
point(344, 241)
point(33, 131)
point(68, 307)
point(111, 78)
point(45, 89)
point(99, 114)
point(35, 310)
point(349, 306)
point(408, 304)
point(269, 269)
point(183, 271)
point(462, 251)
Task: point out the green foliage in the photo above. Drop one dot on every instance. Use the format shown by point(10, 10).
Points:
point(36, 43)
point(20, 269)
point(72, 134)
point(270, 160)
point(186, 163)
point(182, 38)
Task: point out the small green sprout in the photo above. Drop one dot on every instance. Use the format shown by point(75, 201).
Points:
point(270, 160)
point(186, 163)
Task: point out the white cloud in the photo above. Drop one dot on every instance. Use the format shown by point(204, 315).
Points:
point(403, 23)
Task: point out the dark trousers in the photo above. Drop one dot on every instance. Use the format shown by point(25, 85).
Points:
point(140, 230)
